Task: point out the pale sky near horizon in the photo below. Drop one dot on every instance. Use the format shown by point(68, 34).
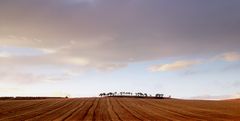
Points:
point(182, 48)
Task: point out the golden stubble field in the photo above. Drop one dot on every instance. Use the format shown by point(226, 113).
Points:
point(118, 109)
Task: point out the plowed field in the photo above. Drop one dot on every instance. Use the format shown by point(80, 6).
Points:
point(118, 109)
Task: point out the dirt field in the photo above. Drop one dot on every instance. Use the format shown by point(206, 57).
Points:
point(118, 109)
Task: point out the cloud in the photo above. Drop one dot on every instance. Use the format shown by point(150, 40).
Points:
point(114, 31)
point(27, 78)
point(4, 55)
point(111, 34)
point(76, 61)
point(217, 97)
point(48, 51)
point(213, 97)
point(230, 57)
point(178, 65)
point(14, 51)
point(110, 67)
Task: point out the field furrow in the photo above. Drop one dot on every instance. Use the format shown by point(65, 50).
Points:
point(132, 111)
point(19, 108)
point(70, 112)
point(118, 109)
point(57, 112)
point(81, 113)
point(37, 110)
point(91, 115)
point(121, 112)
point(111, 111)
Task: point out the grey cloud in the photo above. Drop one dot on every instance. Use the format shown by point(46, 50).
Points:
point(120, 32)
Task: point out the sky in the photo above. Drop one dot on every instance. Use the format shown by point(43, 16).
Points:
point(187, 49)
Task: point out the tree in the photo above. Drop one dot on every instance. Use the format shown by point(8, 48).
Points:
point(110, 94)
point(145, 94)
point(159, 95)
point(141, 94)
point(121, 93)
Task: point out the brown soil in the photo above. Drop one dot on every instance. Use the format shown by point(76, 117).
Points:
point(118, 109)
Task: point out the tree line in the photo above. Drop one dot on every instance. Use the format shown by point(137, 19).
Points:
point(138, 94)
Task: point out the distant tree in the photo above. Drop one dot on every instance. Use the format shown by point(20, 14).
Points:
point(121, 93)
point(145, 94)
point(136, 94)
point(141, 94)
point(159, 95)
point(110, 94)
point(103, 94)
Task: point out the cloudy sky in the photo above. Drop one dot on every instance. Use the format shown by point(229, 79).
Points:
point(187, 48)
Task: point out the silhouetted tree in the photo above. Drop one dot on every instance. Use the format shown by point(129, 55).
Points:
point(141, 94)
point(110, 94)
point(145, 94)
point(136, 94)
point(159, 95)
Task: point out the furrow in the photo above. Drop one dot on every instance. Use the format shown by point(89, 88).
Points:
point(133, 113)
point(56, 112)
point(90, 115)
point(114, 115)
point(40, 110)
point(70, 113)
point(81, 112)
